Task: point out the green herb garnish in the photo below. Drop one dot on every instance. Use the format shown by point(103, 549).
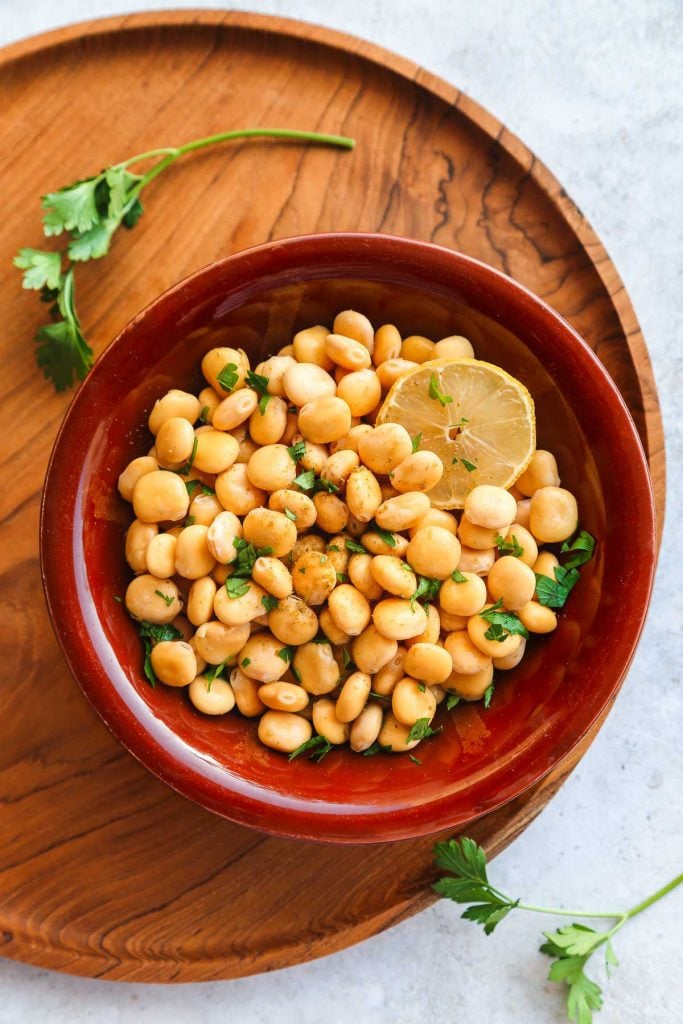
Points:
point(306, 480)
point(213, 672)
point(509, 547)
point(386, 535)
point(286, 653)
point(297, 451)
point(377, 748)
point(352, 545)
point(422, 730)
point(580, 547)
point(458, 577)
point(290, 515)
point(118, 599)
point(245, 662)
point(414, 759)
point(151, 634)
point(416, 441)
point(554, 593)
point(236, 587)
point(184, 470)
point(452, 701)
point(469, 466)
point(269, 602)
point(228, 376)
point(570, 946)
point(204, 414)
point(427, 590)
point(164, 597)
point(436, 393)
point(488, 694)
point(191, 486)
point(91, 211)
point(318, 746)
point(505, 623)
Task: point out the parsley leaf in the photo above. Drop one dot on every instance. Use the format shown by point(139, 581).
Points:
point(228, 376)
point(452, 701)
point(488, 694)
point(436, 393)
point(554, 593)
point(469, 466)
point(245, 662)
point(258, 382)
point(427, 590)
point(90, 211)
point(184, 470)
point(204, 414)
point(306, 480)
point(509, 547)
point(213, 672)
point(246, 556)
point(322, 484)
point(269, 602)
point(386, 535)
point(458, 577)
point(580, 547)
point(286, 653)
point(422, 730)
point(509, 622)
point(290, 515)
point(417, 441)
point(236, 587)
point(352, 545)
point(377, 748)
point(191, 485)
point(41, 269)
point(164, 597)
point(319, 746)
point(297, 451)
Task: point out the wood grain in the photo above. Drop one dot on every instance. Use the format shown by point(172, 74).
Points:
point(103, 870)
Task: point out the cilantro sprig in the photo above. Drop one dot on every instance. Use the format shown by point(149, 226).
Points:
point(89, 212)
point(571, 946)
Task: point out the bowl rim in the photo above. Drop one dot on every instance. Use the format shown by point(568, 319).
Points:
point(246, 809)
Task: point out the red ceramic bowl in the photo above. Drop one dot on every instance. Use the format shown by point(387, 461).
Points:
point(256, 300)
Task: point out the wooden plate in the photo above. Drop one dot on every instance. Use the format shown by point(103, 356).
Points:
point(104, 871)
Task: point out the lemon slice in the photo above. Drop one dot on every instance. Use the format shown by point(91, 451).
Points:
point(477, 418)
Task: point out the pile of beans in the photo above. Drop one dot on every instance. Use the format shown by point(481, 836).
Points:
point(291, 542)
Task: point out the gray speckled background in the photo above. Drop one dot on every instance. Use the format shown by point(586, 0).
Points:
point(594, 88)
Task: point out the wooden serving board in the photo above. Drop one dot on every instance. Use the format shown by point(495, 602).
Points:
point(104, 871)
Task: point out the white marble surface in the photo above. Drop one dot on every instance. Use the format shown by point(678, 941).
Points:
point(595, 89)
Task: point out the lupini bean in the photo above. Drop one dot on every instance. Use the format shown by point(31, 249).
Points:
point(273, 576)
point(174, 403)
point(385, 448)
point(267, 529)
point(314, 577)
point(349, 609)
point(138, 538)
point(283, 696)
point(174, 662)
point(554, 514)
point(352, 324)
point(470, 685)
point(467, 658)
point(293, 622)
point(308, 346)
point(480, 538)
point(259, 659)
point(324, 419)
point(428, 663)
point(394, 735)
point(132, 473)
point(236, 493)
point(200, 600)
point(371, 651)
point(361, 390)
point(283, 731)
point(477, 629)
point(347, 353)
point(211, 698)
point(420, 471)
point(525, 541)
point(433, 552)
point(545, 564)
point(225, 369)
point(430, 634)
point(332, 514)
point(478, 562)
point(537, 618)
point(235, 409)
point(149, 599)
point(235, 611)
point(541, 472)
point(268, 425)
point(387, 344)
point(316, 668)
point(417, 348)
point(365, 729)
point(393, 575)
point(160, 555)
point(221, 535)
point(491, 507)
point(216, 641)
point(453, 347)
point(511, 660)
point(159, 497)
point(511, 581)
point(464, 598)
point(246, 690)
point(397, 619)
point(390, 370)
point(402, 512)
point(412, 700)
point(174, 442)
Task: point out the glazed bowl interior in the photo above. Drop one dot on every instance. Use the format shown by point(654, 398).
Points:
point(256, 300)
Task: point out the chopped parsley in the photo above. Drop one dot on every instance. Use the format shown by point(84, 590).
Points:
point(164, 597)
point(452, 701)
point(286, 653)
point(236, 587)
point(488, 694)
point(416, 441)
point(297, 451)
point(318, 746)
point(290, 515)
point(422, 730)
point(436, 393)
point(386, 535)
point(509, 547)
point(554, 593)
point(269, 602)
point(458, 577)
point(580, 548)
point(502, 624)
point(469, 466)
point(352, 545)
point(228, 376)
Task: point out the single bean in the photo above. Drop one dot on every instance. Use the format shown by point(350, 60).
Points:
point(316, 668)
point(215, 642)
point(327, 724)
point(273, 576)
point(467, 658)
point(324, 419)
point(271, 468)
point(160, 555)
point(268, 426)
point(293, 622)
point(465, 598)
point(385, 448)
point(490, 506)
point(417, 349)
point(477, 629)
point(360, 574)
point(430, 634)
point(453, 347)
point(174, 442)
point(332, 514)
point(391, 369)
point(429, 663)
point(267, 529)
point(174, 662)
point(149, 599)
point(394, 735)
point(470, 685)
point(536, 617)
point(132, 473)
point(347, 353)
point(283, 731)
point(397, 619)
point(433, 552)
point(353, 696)
point(361, 390)
point(235, 409)
point(371, 651)
point(402, 512)
point(412, 700)
point(200, 600)
point(283, 696)
point(307, 382)
point(349, 609)
point(139, 536)
point(174, 403)
point(211, 698)
point(554, 514)
point(309, 346)
point(259, 659)
point(352, 324)
point(224, 363)
point(160, 496)
point(314, 578)
point(541, 472)
point(365, 729)
point(246, 690)
point(512, 582)
point(235, 611)
point(393, 575)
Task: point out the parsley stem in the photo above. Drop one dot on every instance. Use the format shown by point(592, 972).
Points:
point(640, 907)
point(171, 153)
point(620, 916)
